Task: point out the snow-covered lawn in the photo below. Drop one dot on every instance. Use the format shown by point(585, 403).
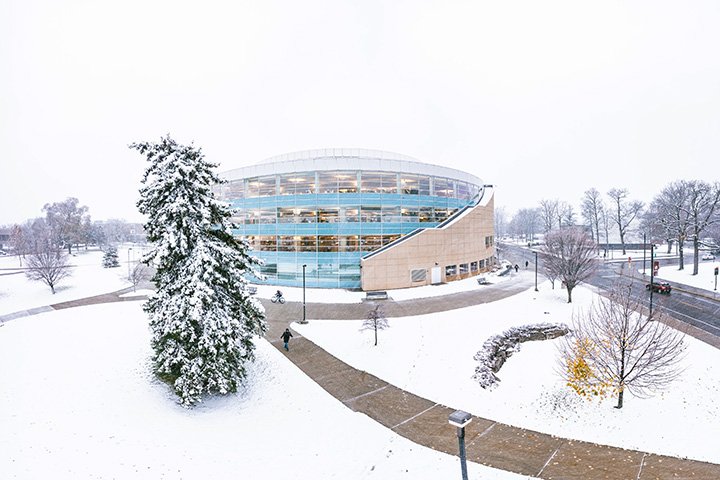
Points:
point(87, 278)
point(77, 402)
point(432, 356)
point(76, 399)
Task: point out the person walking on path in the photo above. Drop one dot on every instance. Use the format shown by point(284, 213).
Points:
point(286, 338)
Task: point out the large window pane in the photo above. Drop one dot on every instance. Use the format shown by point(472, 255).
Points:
point(327, 182)
point(306, 215)
point(379, 182)
point(368, 243)
point(349, 243)
point(426, 214)
point(268, 243)
point(410, 214)
point(297, 183)
point(287, 243)
point(349, 214)
point(370, 213)
point(443, 187)
point(409, 184)
point(328, 215)
point(347, 182)
point(327, 243)
point(390, 214)
point(266, 186)
point(463, 190)
point(414, 184)
point(308, 243)
point(286, 215)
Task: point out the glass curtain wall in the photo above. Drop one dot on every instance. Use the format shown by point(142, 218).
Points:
point(327, 220)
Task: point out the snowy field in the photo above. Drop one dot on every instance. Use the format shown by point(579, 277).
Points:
point(98, 414)
point(77, 401)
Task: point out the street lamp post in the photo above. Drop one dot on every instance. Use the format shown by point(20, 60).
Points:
point(304, 320)
point(644, 247)
point(535, 252)
point(652, 277)
point(460, 420)
point(129, 250)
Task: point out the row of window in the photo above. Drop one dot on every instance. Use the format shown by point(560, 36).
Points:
point(347, 182)
point(365, 214)
point(466, 268)
point(319, 243)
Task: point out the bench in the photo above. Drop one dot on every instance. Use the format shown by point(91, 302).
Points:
point(252, 290)
point(483, 280)
point(376, 295)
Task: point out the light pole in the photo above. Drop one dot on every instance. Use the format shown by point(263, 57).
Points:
point(652, 277)
point(461, 419)
point(129, 250)
point(304, 320)
point(644, 247)
point(535, 252)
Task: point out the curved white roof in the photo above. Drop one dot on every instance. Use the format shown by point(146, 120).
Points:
point(346, 159)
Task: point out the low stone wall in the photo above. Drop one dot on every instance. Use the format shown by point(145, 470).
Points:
point(498, 348)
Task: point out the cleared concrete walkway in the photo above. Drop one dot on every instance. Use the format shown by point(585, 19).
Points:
point(424, 422)
point(487, 442)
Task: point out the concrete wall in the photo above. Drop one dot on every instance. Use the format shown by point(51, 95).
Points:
point(459, 242)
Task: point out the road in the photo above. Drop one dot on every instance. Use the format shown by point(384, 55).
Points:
point(692, 306)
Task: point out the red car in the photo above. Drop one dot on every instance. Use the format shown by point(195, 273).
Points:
point(659, 287)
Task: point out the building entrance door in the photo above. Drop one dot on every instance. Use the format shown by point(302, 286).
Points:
point(435, 275)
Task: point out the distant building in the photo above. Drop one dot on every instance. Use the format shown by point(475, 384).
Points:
point(361, 219)
point(4, 238)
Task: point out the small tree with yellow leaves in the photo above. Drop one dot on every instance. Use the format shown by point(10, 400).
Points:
point(614, 347)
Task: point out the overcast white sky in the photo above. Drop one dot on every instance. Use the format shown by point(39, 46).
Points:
point(542, 99)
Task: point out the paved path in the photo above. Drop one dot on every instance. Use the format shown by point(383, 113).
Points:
point(424, 422)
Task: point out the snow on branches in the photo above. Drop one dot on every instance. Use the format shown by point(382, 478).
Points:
point(202, 316)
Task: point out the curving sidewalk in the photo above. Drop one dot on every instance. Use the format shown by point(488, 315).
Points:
point(424, 422)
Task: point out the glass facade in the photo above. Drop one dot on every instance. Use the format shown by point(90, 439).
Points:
point(329, 219)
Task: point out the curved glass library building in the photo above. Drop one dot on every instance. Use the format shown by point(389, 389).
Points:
point(317, 213)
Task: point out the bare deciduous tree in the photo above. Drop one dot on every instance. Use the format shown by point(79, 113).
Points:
point(525, 223)
point(48, 265)
point(592, 205)
point(569, 255)
point(614, 348)
point(625, 212)
point(548, 213)
point(66, 220)
point(139, 274)
point(703, 203)
point(375, 320)
point(670, 209)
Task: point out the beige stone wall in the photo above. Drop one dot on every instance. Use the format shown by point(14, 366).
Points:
point(463, 241)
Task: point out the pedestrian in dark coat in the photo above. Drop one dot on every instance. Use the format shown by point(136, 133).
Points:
point(526, 263)
point(286, 338)
point(517, 267)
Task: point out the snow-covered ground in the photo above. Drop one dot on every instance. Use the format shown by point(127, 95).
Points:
point(76, 399)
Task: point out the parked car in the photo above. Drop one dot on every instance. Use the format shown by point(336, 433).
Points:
point(659, 287)
point(708, 256)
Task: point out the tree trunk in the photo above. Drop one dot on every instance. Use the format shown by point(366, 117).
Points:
point(696, 251)
point(681, 248)
point(620, 399)
point(569, 290)
point(376, 335)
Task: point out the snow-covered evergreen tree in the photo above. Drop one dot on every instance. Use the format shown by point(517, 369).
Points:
point(110, 259)
point(203, 319)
